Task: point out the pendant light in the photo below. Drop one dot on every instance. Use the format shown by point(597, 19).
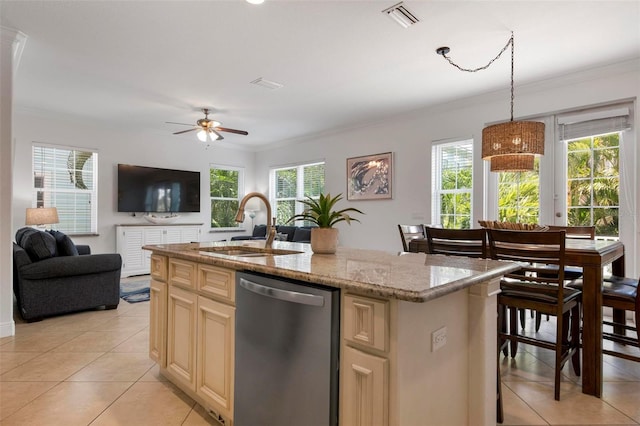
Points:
point(510, 146)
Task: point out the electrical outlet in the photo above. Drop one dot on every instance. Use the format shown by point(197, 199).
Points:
point(438, 339)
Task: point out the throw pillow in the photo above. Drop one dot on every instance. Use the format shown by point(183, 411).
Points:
point(302, 235)
point(39, 245)
point(259, 231)
point(20, 233)
point(289, 230)
point(65, 245)
point(281, 236)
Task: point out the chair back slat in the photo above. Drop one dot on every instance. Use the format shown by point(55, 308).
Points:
point(410, 232)
point(576, 232)
point(532, 250)
point(457, 242)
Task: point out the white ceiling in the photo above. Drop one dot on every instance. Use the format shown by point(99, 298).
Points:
point(342, 63)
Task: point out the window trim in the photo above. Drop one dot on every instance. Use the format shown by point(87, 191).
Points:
point(93, 214)
point(241, 194)
point(436, 178)
point(298, 207)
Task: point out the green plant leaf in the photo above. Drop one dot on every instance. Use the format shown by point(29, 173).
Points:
point(322, 213)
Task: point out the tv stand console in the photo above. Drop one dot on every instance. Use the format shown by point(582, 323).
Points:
point(131, 238)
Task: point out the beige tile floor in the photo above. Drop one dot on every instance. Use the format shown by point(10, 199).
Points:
point(528, 389)
point(92, 368)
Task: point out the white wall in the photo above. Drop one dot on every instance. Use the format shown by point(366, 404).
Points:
point(155, 148)
point(409, 137)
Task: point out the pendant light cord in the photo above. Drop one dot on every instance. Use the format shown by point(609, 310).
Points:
point(444, 50)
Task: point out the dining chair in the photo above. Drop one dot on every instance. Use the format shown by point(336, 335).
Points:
point(546, 294)
point(457, 242)
point(410, 232)
point(621, 293)
point(571, 273)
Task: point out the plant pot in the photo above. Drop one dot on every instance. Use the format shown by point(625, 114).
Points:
point(324, 240)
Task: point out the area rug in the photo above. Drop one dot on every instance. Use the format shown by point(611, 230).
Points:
point(134, 291)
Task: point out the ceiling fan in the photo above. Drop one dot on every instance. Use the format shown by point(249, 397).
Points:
point(208, 129)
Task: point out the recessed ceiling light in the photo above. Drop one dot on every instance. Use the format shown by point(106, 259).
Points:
point(403, 16)
point(255, 1)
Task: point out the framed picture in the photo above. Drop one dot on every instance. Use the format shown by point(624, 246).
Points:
point(369, 177)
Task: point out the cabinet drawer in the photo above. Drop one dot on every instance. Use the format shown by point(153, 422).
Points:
point(366, 322)
point(159, 267)
point(220, 283)
point(182, 273)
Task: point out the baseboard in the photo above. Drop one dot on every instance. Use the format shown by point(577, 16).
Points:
point(8, 329)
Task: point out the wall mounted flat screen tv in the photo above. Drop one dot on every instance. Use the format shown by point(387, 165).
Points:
point(152, 190)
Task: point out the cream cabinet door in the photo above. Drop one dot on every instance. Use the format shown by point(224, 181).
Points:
point(181, 336)
point(365, 389)
point(158, 323)
point(214, 371)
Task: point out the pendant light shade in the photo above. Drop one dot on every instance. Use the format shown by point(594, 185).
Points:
point(510, 146)
point(513, 137)
point(513, 163)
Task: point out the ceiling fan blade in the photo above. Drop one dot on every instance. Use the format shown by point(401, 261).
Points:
point(239, 132)
point(185, 131)
point(182, 124)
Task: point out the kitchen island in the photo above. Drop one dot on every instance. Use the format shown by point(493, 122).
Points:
point(417, 332)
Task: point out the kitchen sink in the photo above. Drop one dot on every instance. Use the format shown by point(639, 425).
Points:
point(242, 251)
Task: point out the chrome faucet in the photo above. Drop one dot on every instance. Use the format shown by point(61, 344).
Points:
point(271, 229)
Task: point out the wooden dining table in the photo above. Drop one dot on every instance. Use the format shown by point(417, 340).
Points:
point(592, 256)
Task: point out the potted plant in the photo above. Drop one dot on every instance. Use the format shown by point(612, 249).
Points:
point(324, 238)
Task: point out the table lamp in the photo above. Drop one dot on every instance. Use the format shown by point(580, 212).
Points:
point(42, 216)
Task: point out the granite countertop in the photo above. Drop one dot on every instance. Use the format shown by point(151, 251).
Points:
point(414, 277)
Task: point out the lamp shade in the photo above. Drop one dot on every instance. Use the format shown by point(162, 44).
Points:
point(513, 137)
point(512, 163)
point(42, 216)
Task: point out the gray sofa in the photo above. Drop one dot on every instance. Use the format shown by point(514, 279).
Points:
point(53, 276)
point(296, 234)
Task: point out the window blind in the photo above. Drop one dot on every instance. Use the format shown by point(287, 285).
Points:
point(594, 122)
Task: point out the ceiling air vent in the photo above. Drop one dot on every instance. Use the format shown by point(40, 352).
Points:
point(403, 16)
point(271, 85)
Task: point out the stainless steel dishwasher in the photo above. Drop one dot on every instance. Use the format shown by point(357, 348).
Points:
point(287, 346)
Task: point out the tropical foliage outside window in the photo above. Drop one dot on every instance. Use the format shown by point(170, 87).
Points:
point(519, 195)
point(225, 189)
point(453, 184)
point(593, 183)
point(295, 183)
point(66, 178)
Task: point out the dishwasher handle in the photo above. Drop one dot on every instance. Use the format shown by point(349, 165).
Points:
point(286, 295)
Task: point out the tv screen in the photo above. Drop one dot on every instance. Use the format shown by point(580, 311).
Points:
point(152, 190)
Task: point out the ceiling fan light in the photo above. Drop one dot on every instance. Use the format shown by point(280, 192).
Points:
point(202, 135)
point(214, 135)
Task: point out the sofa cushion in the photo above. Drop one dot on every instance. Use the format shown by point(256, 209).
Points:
point(302, 235)
point(65, 245)
point(39, 245)
point(259, 231)
point(289, 230)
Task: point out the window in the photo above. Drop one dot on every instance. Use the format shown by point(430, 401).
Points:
point(295, 183)
point(226, 186)
point(66, 178)
point(593, 183)
point(452, 184)
point(519, 195)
